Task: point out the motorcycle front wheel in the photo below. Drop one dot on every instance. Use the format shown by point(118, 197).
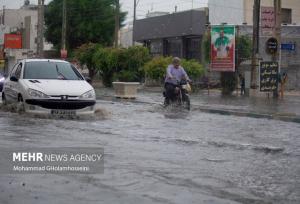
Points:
point(186, 102)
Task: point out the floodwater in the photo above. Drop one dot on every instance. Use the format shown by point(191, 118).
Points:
point(154, 155)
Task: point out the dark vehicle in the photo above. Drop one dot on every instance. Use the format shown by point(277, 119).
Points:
point(181, 98)
point(2, 79)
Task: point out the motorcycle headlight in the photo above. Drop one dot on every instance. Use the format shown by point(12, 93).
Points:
point(88, 95)
point(36, 94)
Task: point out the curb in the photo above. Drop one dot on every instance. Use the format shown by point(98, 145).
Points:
point(286, 117)
point(291, 118)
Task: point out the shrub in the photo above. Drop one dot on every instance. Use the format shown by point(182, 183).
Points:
point(193, 68)
point(125, 76)
point(228, 82)
point(120, 64)
point(131, 61)
point(106, 61)
point(156, 68)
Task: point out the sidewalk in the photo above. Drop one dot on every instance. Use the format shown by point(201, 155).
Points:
point(258, 105)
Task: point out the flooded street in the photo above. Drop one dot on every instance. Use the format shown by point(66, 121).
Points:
point(158, 156)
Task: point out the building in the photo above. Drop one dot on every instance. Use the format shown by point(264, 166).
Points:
point(156, 13)
point(177, 34)
point(126, 36)
point(290, 10)
point(126, 33)
point(238, 12)
point(24, 22)
point(289, 56)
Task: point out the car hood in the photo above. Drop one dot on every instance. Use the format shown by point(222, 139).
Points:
point(59, 87)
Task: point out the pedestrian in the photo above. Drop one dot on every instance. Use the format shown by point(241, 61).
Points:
point(242, 84)
point(283, 81)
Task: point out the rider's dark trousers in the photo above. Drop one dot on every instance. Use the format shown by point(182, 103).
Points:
point(170, 90)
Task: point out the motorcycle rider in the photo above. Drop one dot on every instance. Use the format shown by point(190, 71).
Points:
point(174, 74)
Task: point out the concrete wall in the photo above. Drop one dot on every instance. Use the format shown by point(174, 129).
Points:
point(191, 22)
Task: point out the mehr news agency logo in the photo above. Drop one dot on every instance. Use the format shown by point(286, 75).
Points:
point(65, 162)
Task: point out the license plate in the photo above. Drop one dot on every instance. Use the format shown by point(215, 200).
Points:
point(63, 112)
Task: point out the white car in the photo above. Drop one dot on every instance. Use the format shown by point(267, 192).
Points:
point(46, 86)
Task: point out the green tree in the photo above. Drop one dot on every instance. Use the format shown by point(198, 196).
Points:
point(87, 21)
point(106, 61)
point(85, 54)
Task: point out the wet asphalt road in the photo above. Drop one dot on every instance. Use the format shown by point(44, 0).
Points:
point(158, 156)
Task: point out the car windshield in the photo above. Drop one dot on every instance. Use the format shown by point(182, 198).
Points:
point(50, 70)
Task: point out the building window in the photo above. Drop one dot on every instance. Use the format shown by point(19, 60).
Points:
point(193, 48)
point(286, 16)
point(156, 47)
point(174, 47)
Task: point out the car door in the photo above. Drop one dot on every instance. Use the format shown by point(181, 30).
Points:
point(7, 89)
point(15, 85)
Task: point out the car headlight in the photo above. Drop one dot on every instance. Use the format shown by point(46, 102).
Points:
point(36, 94)
point(88, 95)
point(2, 79)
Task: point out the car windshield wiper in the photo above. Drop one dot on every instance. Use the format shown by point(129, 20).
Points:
point(58, 72)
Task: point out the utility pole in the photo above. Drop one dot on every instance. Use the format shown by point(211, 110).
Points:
point(40, 30)
point(117, 23)
point(64, 26)
point(277, 30)
point(255, 42)
point(3, 17)
point(134, 19)
point(277, 35)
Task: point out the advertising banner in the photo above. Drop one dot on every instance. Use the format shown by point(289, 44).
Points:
point(268, 76)
point(267, 20)
point(13, 41)
point(223, 48)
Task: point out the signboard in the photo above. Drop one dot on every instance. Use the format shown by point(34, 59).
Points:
point(272, 46)
point(13, 41)
point(288, 46)
point(267, 20)
point(223, 48)
point(268, 76)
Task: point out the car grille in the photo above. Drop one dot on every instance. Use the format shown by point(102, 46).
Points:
point(59, 104)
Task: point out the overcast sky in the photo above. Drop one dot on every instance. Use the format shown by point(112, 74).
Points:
point(127, 5)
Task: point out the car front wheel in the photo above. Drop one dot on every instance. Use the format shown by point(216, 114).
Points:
point(4, 102)
point(20, 104)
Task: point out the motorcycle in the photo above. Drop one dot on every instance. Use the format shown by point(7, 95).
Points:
point(181, 97)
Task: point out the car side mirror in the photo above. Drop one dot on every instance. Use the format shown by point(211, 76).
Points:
point(88, 79)
point(13, 78)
